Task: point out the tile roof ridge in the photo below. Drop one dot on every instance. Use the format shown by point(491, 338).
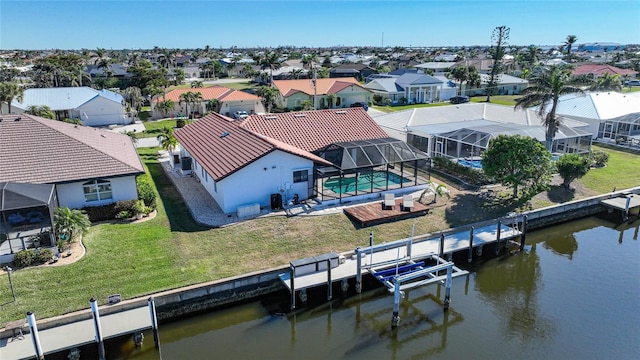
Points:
point(226, 93)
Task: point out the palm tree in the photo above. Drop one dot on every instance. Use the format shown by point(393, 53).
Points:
point(268, 95)
point(607, 82)
point(571, 39)
point(331, 98)
point(544, 91)
point(213, 105)
point(197, 84)
point(167, 139)
point(166, 106)
point(10, 91)
point(272, 62)
point(41, 111)
point(296, 73)
point(461, 74)
point(533, 55)
point(70, 222)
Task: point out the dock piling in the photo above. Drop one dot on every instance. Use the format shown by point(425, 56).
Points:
point(154, 321)
point(395, 319)
point(523, 234)
point(371, 238)
point(470, 256)
point(498, 237)
point(35, 338)
point(98, 328)
point(358, 271)
point(441, 250)
point(293, 289)
point(329, 287)
point(447, 290)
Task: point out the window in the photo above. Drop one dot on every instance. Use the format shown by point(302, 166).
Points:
point(300, 176)
point(338, 101)
point(97, 190)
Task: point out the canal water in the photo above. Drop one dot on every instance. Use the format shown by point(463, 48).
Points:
point(574, 293)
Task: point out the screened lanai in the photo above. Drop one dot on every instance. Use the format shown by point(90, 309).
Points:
point(624, 128)
point(469, 143)
point(369, 166)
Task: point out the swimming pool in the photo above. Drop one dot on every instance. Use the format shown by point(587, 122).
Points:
point(475, 164)
point(364, 182)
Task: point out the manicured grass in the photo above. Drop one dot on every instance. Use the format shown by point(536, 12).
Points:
point(621, 172)
point(509, 100)
point(154, 128)
point(173, 250)
point(393, 108)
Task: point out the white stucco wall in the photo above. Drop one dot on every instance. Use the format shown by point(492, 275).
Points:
point(72, 195)
point(254, 184)
point(101, 112)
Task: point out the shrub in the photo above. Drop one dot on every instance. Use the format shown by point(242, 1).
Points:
point(146, 192)
point(124, 214)
point(23, 258)
point(180, 123)
point(599, 158)
point(467, 174)
point(42, 256)
point(109, 211)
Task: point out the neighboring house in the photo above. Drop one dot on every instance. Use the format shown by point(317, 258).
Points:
point(411, 88)
point(610, 115)
point(436, 66)
point(265, 160)
point(597, 70)
point(464, 131)
point(507, 85)
point(230, 101)
point(346, 91)
point(92, 107)
point(115, 70)
point(482, 65)
point(89, 166)
point(356, 70)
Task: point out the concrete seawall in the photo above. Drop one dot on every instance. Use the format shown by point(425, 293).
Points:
point(196, 298)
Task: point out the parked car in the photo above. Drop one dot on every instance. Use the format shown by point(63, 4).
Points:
point(360, 104)
point(240, 114)
point(632, 83)
point(459, 99)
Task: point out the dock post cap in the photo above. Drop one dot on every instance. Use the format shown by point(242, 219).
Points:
point(29, 313)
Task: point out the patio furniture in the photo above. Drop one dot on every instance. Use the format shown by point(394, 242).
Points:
point(407, 202)
point(16, 219)
point(389, 201)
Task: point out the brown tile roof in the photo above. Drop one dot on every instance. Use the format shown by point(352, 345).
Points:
point(222, 147)
point(37, 150)
point(214, 92)
point(323, 86)
point(313, 130)
point(600, 69)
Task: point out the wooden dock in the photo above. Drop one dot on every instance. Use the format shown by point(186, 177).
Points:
point(626, 204)
point(76, 334)
point(374, 213)
point(419, 250)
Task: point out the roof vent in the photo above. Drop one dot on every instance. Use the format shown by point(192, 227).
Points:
point(103, 136)
point(224, 134)
point(272, 117)
point(17, 119)
point(341, 112)
point(300, 115)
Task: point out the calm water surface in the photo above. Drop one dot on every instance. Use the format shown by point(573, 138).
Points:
point(573, 294)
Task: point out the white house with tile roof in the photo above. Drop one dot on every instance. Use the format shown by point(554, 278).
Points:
point(89, 166)
point(92, 107)
point(347, 91)
point(290, 156)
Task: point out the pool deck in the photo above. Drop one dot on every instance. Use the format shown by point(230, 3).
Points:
point(374, 213)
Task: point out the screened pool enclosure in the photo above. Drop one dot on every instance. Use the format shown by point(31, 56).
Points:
point(369, 166)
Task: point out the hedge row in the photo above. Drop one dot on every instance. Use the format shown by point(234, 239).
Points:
point(470, 175)
point(109, 211)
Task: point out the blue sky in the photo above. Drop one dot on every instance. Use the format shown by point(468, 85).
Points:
point(143, 24)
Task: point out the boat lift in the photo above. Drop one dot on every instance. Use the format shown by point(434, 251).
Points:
point(406, 274)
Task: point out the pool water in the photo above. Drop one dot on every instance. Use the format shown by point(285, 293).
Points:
point(475, 164)
point(364, 182)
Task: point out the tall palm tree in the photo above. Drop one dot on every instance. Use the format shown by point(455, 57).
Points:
point(544, 91)
point(571, 39)
point(8, 92)
point(197, 84)
point(460, 74)
point(272, 62)
point(167, 139)
point(268, 95)
point(70, 222)
point(165, 107)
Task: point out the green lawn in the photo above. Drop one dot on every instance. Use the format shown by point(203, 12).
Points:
point(154, 128)
point(621, 172)
point(172, 250)
point(393, 108)
point(509, 100)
